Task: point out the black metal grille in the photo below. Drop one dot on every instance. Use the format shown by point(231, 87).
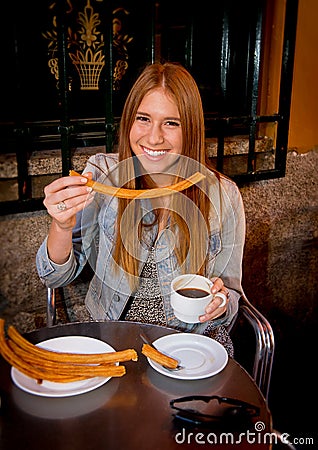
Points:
point(42, 113)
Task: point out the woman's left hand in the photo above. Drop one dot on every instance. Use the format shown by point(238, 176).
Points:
point(214, 310)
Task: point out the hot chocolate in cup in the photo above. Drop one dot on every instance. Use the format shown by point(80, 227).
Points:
point(190, 294)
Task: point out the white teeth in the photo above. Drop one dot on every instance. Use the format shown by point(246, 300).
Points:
point(153, 152)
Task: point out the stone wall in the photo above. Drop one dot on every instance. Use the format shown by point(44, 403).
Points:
point(281, 255)
point(280, 263)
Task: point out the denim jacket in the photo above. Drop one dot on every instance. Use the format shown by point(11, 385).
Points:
point(109, 290)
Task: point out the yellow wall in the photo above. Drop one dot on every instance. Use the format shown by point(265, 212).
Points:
point(303, 131)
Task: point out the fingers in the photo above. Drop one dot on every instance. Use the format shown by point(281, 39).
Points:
point(62, 183)
point(218, 305)
point(66, 196)
point(217, 285)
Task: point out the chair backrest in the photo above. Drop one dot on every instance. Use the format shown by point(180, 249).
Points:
point(50, 307)
point(262, 354)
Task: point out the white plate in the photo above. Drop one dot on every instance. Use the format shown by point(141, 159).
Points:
point(200, 355)
point(73, 344)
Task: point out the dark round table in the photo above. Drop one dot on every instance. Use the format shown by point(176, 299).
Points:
point(130, 412)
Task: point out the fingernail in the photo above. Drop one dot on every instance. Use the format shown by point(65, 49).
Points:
point(84, 180)
point(89, 189)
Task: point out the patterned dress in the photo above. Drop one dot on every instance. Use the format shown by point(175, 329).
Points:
point(146, 305)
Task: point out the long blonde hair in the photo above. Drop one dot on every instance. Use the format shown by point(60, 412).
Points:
point(181, 87)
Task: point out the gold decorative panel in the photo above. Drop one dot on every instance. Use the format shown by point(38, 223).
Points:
point(85, 43)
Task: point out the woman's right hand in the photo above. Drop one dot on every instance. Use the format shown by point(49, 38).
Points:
point(65, 197)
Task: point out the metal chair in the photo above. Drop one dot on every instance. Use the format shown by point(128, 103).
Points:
point(264, 343)
point(50, 307)
point(264, 338)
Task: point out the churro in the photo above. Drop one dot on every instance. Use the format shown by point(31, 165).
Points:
point(89, 358)
point(42, 364)
point(142, 193)
point(159, 357)
point(65, 367)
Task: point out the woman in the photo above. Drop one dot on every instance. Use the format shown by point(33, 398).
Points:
point(137, 246)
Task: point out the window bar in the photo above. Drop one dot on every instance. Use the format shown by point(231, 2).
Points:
point(22, 143)
point(152, 46)
point(255, 40)
point(108, 85)
point(220, 149)
point(188, 51)
point(251, 162)
point(64, 128)
point(20, 131)
point(286, 84)
point(225, 55)
point(224, 70)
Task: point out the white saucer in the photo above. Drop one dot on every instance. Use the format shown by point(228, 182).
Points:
point(200, 355)
point(73, 344)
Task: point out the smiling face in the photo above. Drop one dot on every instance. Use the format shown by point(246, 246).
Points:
point(156, 134)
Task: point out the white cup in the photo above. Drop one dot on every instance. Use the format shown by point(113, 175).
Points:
point(188, 308)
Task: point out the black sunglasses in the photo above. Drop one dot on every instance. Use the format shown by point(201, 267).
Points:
point(236, 413)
